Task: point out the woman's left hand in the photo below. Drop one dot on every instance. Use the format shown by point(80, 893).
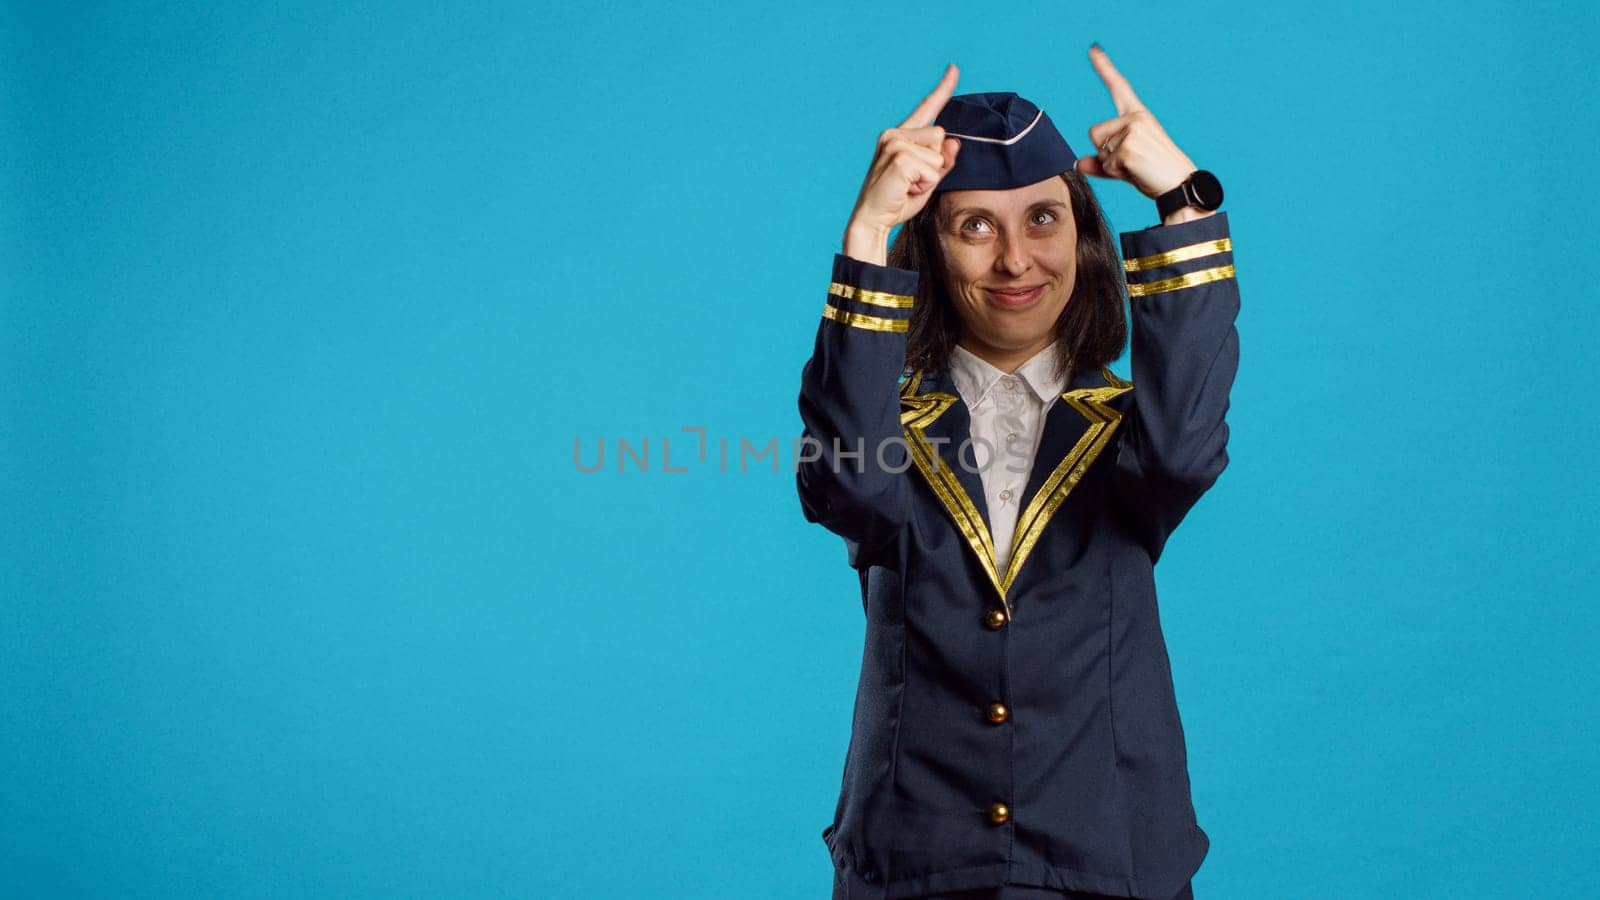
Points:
point(1133, 147)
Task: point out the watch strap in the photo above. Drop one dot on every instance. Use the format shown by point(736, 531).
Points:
point(1173, 200)
point(1185, 194)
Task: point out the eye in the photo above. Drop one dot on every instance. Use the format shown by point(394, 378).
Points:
point(970, 225)
point(1047, 215)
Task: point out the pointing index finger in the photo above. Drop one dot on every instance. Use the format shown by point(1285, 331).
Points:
point(929, 108)
point(1121, 92)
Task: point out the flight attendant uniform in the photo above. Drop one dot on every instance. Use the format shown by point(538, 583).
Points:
point(1015, 734)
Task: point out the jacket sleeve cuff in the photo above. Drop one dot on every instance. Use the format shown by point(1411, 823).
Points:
point(869, 296)
point(1165, 258)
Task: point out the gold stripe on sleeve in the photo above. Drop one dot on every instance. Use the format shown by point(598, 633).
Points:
point(876, 298)
point(1202, 276)
point(871, 323)
point(1192, 251)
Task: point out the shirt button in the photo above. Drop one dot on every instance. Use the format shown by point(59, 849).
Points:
point(1011, 385)
point(1005, 494)
point(999, 813)
point(995, 619)
point(1011, 437)
point(998, 713)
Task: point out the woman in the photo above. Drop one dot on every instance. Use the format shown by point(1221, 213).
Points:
point(1015, 733)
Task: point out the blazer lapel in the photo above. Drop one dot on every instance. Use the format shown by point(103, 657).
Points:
point(1077, 427)
point(936, 423)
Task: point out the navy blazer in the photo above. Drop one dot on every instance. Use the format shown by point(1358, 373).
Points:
point(1018, 726)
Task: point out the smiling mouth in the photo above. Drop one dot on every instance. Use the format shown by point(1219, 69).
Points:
point(1013, 298)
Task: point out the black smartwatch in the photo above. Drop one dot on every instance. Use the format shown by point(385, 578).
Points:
point(1200, 189)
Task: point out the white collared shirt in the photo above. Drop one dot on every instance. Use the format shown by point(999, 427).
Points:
point(1008, 414)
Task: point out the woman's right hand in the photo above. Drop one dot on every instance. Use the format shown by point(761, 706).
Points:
point(911, 159)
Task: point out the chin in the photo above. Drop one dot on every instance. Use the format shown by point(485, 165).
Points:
point(1030, 333)
point(1015, 341)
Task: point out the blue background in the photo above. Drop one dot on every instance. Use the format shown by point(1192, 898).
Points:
point(304, 309)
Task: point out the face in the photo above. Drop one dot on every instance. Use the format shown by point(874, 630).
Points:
point(1011, 261)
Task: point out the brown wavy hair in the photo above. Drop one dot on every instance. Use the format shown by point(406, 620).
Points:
point(1093, 327)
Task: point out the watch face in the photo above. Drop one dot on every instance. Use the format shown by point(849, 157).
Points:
point(1207, 189)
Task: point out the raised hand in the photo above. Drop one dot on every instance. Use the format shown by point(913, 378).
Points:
point(910, 159)
point(1133, 147)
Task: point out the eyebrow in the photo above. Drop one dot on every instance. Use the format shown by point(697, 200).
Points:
point(978, 209)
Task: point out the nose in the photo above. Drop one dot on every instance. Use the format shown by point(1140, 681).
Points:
point(1014, 257)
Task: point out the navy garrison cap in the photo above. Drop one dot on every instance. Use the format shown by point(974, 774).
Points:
point(1006, 142)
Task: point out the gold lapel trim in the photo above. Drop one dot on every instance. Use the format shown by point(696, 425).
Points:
point(923, 409)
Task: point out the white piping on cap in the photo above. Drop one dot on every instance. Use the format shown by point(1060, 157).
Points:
point(1010, 140)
